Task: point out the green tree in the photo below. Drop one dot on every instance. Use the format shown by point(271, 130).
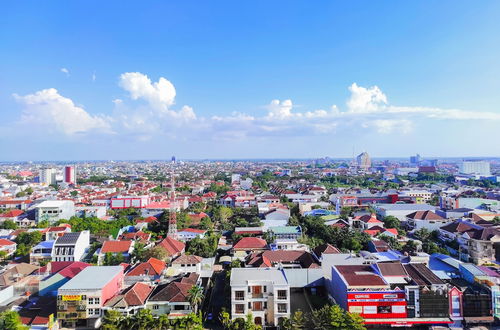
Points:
point(156, 252)
point(29, 238)
point(43, 224)
point(392, 222)
point(3, 255)
point(113, 259)
point(335, 318)
point(423, 234)
point(8, 224)
point(224, 213)
point(10, 320)
point(195, 297)
point(393, 242)
point(225, 319)
point(138, 255)
point(143, 320)
point(206, 224)
point(410, 247)
point(22, 250)
point(163, 322)
point(112, 320)
point(296, 322)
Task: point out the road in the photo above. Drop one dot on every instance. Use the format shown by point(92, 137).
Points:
point(217, 301)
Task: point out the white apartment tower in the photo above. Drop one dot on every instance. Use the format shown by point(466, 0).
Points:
point(363, 161)
point(47, 176)
point(475, 167)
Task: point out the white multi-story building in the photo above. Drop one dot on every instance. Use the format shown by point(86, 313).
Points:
point(363, 161)
point(47, 176)
point(420, 195)
point(71, 246)
point(53, 211)
point(263, 292)
point(475, 167)
point(81, 299)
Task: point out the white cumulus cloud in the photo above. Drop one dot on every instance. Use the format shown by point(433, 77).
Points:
point(365, 99)
point(158, 94)
point(50, 110)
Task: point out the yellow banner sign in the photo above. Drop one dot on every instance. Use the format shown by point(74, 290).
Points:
point(72, 298)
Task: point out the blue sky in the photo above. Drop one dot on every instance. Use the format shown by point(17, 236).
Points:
point(261, 79)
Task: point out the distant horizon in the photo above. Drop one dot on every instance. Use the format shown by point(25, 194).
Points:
point(465, 158)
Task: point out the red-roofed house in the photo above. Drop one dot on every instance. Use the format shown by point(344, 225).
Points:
point(130, 300)
point(426, 219)
point(376, 230)
point(8, 246)
point(196, 218)
point(124, 248)
point(18, 217)
point(52, 233)
point(248, 245)
point(172, 298)
point(148, 271)
point(136, 236)
point(369, 221)
point(173, 247)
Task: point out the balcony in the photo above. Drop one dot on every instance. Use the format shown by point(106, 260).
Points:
point(258, 295)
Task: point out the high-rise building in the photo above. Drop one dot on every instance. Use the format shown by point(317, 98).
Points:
point(415, 160)
point(475, 167)
point(70, 174)
point(47, 176)
point(363, 161)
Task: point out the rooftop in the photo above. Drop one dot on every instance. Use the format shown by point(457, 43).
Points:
point(404, 207)
point(53, 203)
point(68, 238)
point(93, 278)
point(241, 276)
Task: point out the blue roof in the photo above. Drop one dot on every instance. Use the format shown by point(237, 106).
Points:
point(45, 245)
point(317, 212)
point(438, 261)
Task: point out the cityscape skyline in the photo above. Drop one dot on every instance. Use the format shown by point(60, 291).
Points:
point(290, 86)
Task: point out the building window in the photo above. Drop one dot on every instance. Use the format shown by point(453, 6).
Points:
point(282, 294)
point(257, 306)
point(239, 295)
point(383, 309)
point(239, 308)
point(156, 306)
point(282, 308)
point(91, 301)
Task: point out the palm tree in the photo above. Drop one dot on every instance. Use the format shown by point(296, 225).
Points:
point(112, 320)
point(162, 323)
point(143, 320)
point(195, 297)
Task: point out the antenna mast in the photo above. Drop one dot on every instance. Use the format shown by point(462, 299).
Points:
point(172, 221)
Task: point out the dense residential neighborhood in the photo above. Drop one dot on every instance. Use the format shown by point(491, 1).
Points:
point(327, 244)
